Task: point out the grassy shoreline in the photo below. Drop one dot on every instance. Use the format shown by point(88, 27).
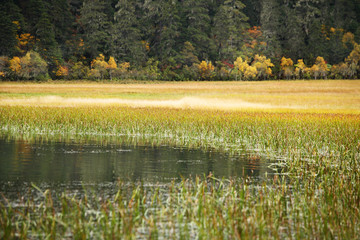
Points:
point(316, 197)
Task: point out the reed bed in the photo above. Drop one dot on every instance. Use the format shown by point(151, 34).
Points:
point(315, 196)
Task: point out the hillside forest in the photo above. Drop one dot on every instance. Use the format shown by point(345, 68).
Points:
point(179, 39)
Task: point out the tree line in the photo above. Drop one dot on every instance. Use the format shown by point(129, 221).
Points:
point(179, 39)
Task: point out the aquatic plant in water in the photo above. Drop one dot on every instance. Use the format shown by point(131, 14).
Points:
point(316, 195)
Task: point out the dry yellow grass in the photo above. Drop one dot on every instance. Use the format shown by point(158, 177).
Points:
point(342, 95)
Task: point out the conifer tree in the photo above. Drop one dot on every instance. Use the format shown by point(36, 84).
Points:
point(271, 24)
point(163, 34)
point(8, 31)
point(198, 22)
point(47, 45)
point(96, 27)
point(126, 34)
point(309, 17)
point(62, 19)
point(229, 26)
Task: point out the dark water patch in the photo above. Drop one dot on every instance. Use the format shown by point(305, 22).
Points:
point(72, 165)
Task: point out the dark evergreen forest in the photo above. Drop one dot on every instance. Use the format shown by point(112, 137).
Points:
point(179, 39)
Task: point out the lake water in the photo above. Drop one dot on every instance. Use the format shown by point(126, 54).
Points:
point(73, 164)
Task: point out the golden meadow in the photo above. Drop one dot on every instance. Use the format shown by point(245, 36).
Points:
point(311, 129)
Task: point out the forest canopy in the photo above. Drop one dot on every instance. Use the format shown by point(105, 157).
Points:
point(179, 39)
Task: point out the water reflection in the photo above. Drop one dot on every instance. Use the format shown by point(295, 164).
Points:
point(67, 162)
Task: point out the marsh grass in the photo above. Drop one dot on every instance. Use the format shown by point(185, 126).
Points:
point(201, 209)
point(316, 196)
point(339, 95)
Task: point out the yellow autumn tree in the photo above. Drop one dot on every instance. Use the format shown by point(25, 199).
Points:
point(286, 66)
point(15, 65)
point(30, 66)
point(340, 70)
point(300, 69)
point(353, 61)
point(250, 73)
point(62, 72)
point(240, 67)
point(320, 68)
point(348, 38)
point(112, 66)
point(124, 66)
point(4, 65)
point(98, 67)
point(263, 66)
point(206, 70)
point(122, 70)
point(26, 42)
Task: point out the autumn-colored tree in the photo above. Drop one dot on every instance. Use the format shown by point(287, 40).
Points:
point(250, 73)
point(263, 66)
point(98, 67)
point(254, 42)
point(122, 70)
point(315, 70)
point(15, 66)
point(320, 68)
point(300, 69)
point(112, 66)
point(353, 61)
point(240, 67)
point(206, 70)
point(124, 66)
point(26, 42)
point(62, 72)
point(4, 65)
point(341, 70)
point(348, 38)
point(79, 71)
point(31, 66)
point(287, 66)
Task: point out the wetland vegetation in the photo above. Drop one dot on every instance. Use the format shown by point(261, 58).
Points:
point(315, 148)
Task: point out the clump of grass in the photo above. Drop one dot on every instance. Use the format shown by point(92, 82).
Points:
point(317, 195)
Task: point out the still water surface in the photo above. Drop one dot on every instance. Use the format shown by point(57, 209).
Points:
point(73, 164)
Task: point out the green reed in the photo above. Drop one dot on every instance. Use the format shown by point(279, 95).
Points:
point(201, 209)
point(316, 195)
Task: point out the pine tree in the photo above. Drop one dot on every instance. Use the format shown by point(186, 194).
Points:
point(96, 27)
point(62, 19)
point(126, 38)
point(33, 10)
point(8, 30)
point(198, 22)
point(252, 11)
point(47, 45)
point(163, 34)
point(270, 18)
point(309, 17)
point(229, 26)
